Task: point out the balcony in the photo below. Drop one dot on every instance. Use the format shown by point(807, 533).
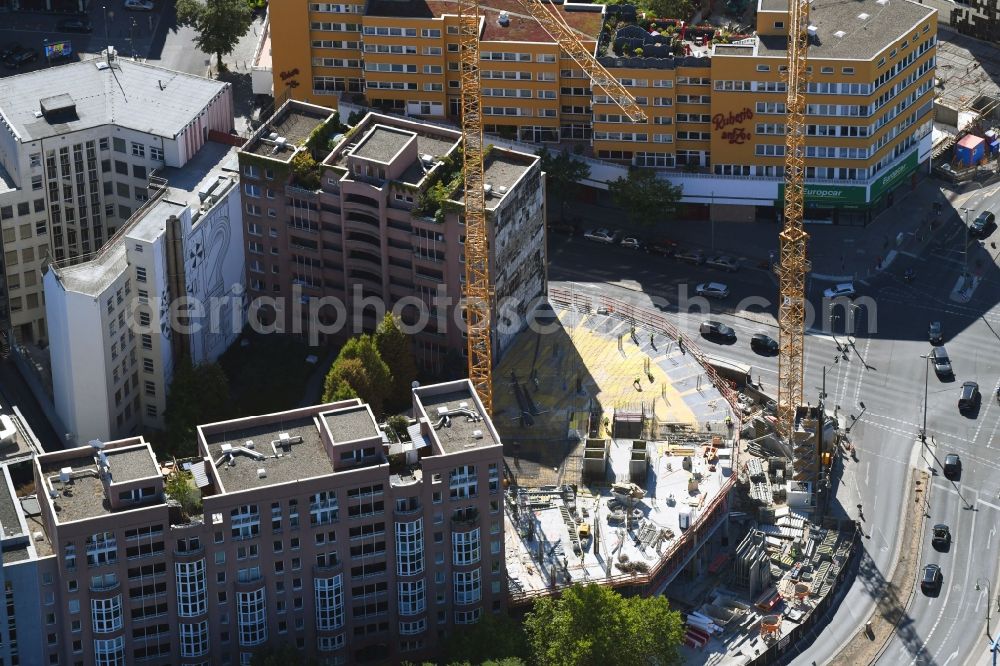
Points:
point(327, 569)
point(461, 519)
point(409, 475)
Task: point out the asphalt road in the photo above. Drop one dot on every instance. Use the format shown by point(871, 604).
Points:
point(884, 370)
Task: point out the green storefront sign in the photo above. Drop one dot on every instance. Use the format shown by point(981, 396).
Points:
point(893, 177)
point(837, 196)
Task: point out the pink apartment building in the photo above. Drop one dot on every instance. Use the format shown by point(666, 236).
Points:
point(367, 238)
point(315, 530)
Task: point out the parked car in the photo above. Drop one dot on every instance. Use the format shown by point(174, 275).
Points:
point(984, 225)
point(690, 256)
point(140, 5)
point(942, 364)
point(716, 330)
point(839, 290)
point(970, 398)
point(81, 24)
point(725, 263)
point(952, 466)
point(563, 227)
point(930, 583)
point(21, 58)
point(662, 246)
point(712, 290)
point(935, 333)
point(941, 537)
point(762, 343)
point(10, 50)
point(633, 243)
point(602, 235)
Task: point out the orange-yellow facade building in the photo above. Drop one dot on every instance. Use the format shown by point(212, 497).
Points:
point(715, 102)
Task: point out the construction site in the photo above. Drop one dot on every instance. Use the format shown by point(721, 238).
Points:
point(631, 463)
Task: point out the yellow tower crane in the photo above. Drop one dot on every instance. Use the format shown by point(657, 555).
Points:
point(792, 240)
point(478, 288)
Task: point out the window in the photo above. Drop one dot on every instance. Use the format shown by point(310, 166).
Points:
point(194, 639)
point(139, 171)
point(323, 508)
point(252, 617)
point(826, 70)
point(140, 274)
point(463, 482)
point(467, 586)
point(245, 521)
point(110, 652)
point(410, 548)
point(192, 597)
point(102, 548)
point(251, 190)
point(329, 603)
point(779, 25)
point(465, 547)
point(119, 145)
point(412, 599)
point(156, 153)
point(763, 68)
point(106, 614)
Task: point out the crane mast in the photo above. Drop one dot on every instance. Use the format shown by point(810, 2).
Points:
point(792, 239)
point(478, 288)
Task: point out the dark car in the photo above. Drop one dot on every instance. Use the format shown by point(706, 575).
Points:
point(935, 333)
point(690, 257)
point(942, 364)
point(10, 50)
point(984, 225)
point(970, 397)
point(763, 343)
point(716, 330)
point(941, 537)
point(20, 58)
point(930, 582)
point(952, 466)
point(565, 227)
point(81, 24)
point(662, 247)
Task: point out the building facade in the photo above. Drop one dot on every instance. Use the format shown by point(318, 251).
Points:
point(714, 100)
point(978, 18)
point(383, 230)
point(77, 145)
point(117, 322)
point(306, 527)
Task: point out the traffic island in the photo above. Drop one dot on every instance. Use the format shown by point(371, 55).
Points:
point(892, 597)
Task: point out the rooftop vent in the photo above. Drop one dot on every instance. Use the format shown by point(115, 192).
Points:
point(64, 474)
point(281, 141)
point(502, 190)
point(273, 136)
point(812, 30)
point(101, 65)
point(863, 16)
point(443, 410)
point(284, 436)
point(53, 493)
point(248, 444)
point(96, 443)
point(504, 19)
point(882, 2)
point(488, 189)
point(226, 448)
point(839, 34)
point(463, 405)
point(39, 536)
point(261, 473)
point(478, 434)
point(59, 108)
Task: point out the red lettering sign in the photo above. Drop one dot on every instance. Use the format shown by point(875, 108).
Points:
point(736, 135)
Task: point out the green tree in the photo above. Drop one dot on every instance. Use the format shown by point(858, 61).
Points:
point(678, 9)
point(495, 638)
point(197, 395)
point(219, 24)
point(646, 198)
point(563, 173)
point(305, 170)
point(593, 625)
point(180, 486)
point(396, 349)
point(359, 371)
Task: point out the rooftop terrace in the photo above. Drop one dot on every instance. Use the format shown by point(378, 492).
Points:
point(83, 496)
point(351, 424)
point(502, 170)
point(381, 144)
point(131, 464)
point(286, 130)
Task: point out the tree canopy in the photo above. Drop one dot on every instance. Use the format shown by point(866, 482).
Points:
point(359, 371)
point(678, 9)
point(593, 625)
point(197, 395)
point(646, 198)
point(218, 24)
point(494, 639)
point(563, 173)
point(282, 655)
point(396, 349)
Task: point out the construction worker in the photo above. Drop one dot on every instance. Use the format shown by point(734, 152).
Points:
point(729, 423)
point(651, 343)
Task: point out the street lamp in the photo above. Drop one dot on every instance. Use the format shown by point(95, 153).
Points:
point(833, 329)
point(855, 419)
point(965, 247)
point(927, 365)
point(994, 642)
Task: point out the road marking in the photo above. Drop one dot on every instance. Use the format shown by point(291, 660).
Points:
point(965, 585)
point(989, 539)
point(949, 489)
point(952, 656)
point(992, 506)
point(989, 404)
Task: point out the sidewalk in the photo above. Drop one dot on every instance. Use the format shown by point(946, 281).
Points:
point(837, 253)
